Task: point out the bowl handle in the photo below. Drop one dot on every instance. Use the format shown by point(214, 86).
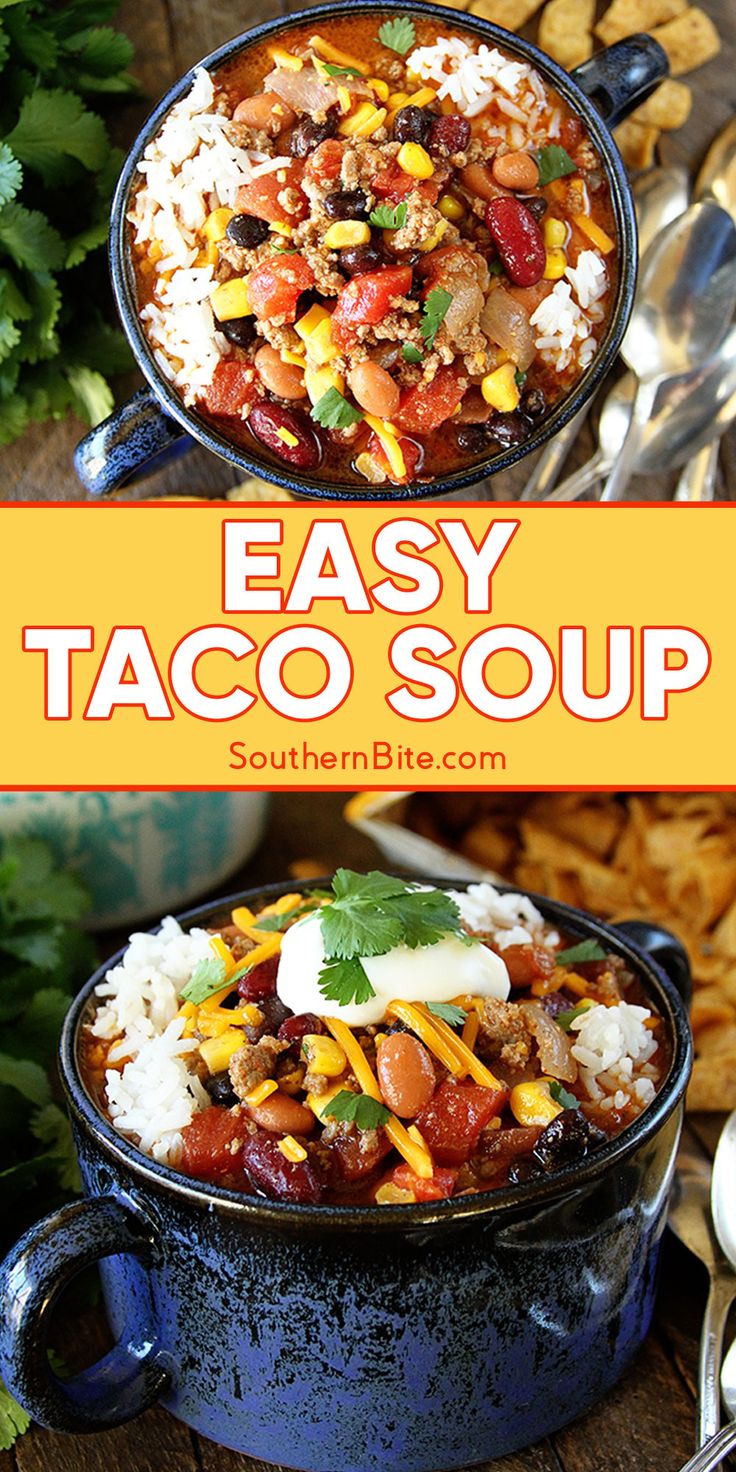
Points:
point(131, 443)
point(618, 79)
point(664, 948)
point(126, 1381)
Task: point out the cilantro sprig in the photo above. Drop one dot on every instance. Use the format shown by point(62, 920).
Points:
point(434, 312)
point(553, 162)
point(340, 71)
point(566, 1019)
point(586, 950)
point(562, 1097)
point(359, 1109)
point(448, 1012)
point(207, 978)
point(410, 354)
point(370, 915)
point(398, 34)
point(284, 918)
point(388, 217)
point(333, 411)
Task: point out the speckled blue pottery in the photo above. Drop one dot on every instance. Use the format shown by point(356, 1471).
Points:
point(154, 425)
point(414, 1338)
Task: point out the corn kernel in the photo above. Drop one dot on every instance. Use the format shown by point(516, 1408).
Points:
point(396, 100)
point(317, 381)
point(451, 209)
point(423, 97)
point(347, 232)
point(555, 266)
point(261, 1092)
point(345, 99)
point(367, 466)
point(390, 1195)
point(230, 299)
point(380, 88)
point(365, 120)
point(218, 1051)
point(594, 233)
point(296, 358)
point(320, 347)
point(417, 1136)
point(430, 241)
point(532, 1103)
point(216, 224)
point(384, 432)
point(555, 232)
point(285, 59)
point(279, 227)
point(340, 58)
point(311, 319)
point(500, 390)
point(324, 1055)
point(291, 1149)
point(415, 160)
point(318, 1102)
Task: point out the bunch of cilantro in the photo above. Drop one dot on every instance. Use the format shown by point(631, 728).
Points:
point(57, 174)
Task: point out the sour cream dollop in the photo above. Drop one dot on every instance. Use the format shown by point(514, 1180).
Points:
point(427, 974)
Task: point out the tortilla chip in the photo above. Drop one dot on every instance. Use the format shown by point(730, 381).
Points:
point(486, 845)
point(565, 31)
point(627, 17)
point(713, 1083)
point(636, 143)
point(710, 1008)
point(690, 40)
point(511, 14)
point(667, 108)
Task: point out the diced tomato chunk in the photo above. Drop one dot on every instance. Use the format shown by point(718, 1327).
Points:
point(326, 161)
point(208, 1143)
point(393, 185)
point(367, 299)
point(411, 452)
point(357, 1155)
point(439, 1185)
point(452, 1121)
point(427, 405)
point(274, 287)
point(233, 386)
point(261, 196)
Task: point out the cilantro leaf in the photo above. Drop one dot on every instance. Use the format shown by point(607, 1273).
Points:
point(520, 378)
point(340, 71)
point(553, 162)
point(102, 51)
point(92, 395)
point(30, 239)
point(410, 354)
point(566, 1019)
point(52, 1128)
point(372, 913)
point(562, 1097)
point(344, 981)
point(388, 217)
point(280, 922)
point(333, 411)
point(207, 978)
point(453, 1016)
point(359, 1109)
point(53, 126)
point(398, 34)
point(11, 174)
point(13, 1419)
point(424, 916)
point(434, 312)
point(586, 950)
point(27, 1078)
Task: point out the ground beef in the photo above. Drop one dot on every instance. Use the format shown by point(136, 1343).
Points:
point(504, 1034)
point(254, 1063)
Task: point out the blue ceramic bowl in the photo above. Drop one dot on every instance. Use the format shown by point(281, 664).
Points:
point(154, 425)
point(338, 1339)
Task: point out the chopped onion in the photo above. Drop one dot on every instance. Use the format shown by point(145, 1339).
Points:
point(505, 322)
point(306, 91)
point(555, 1053)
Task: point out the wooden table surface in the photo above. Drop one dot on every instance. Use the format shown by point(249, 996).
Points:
point(645, 1425)
point(170, 36)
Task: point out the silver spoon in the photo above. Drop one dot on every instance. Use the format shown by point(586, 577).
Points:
point(690, 294)
point(688, 411)
point(691, 1221)
point(711, 1455)
point(660, 196)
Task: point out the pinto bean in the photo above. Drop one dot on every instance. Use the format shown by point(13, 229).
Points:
point(515, 171)
point(282, 1115)
point(265, 112)
point(284, 380)
point(478, 179)
point(374, 389)
point(405, 1073)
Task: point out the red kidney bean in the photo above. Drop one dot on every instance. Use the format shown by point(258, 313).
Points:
point(275, 1176)
point(449, 134)
point(260, 982)
point(296, 1028)
point(266, 419)
point(518, 240)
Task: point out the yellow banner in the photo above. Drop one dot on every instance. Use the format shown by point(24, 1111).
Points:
point(375, 646)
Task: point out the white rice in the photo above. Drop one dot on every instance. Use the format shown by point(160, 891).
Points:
point(511, 919)
point(140, 996)
point(155, 1096)
point(613, 1048)
point(471, 78)
point(566, 317)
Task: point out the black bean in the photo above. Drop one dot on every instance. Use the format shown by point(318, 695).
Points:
point(509, 430)
point(240, 331)
point(356, 260)
point(247, 231)
point(564, 1141)
point(473, 438)
point(534, 403)
point(221, 1090)
point(346, 204)
point(308, 134)
point(412, 124)
point(396, 1027)
point(536, 205)
point(525, 1169)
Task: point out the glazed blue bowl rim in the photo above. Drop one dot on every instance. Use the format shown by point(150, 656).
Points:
point(123, 280)
point(292, 1216)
